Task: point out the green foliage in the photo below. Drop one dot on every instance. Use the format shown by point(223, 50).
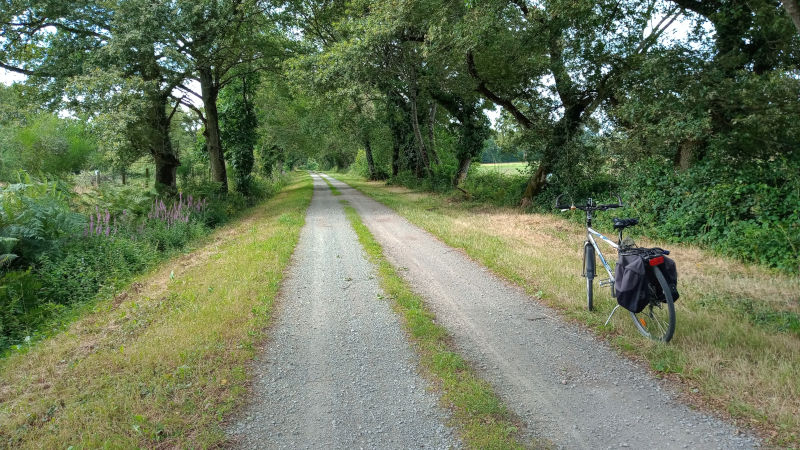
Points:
point(83, 266)
point(752, 213)
point(37, 215)
point(50, 265)
point(496, 188)
point(238, 129)
point(45, 144)
point(310, 164)
point(493, 153)
point(20, 308)
point(359, 166)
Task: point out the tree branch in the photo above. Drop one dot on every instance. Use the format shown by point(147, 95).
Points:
point(20, 70)
point(485, 91)
point(189, 105)
point(522, 6)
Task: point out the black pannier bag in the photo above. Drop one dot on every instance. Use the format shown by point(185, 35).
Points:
point(635, 282)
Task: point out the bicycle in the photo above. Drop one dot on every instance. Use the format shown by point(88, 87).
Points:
point(657, 320)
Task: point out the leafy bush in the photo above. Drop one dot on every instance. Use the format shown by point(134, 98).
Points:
point(359, 166)
point(751, 212)
point(50, 145)
point(38, 215)
point(82, 267)
point(311, 164)
point(496, 188)
point(19, 306)
point(66, 258)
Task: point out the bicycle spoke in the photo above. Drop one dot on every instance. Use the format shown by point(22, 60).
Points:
point(660, 324)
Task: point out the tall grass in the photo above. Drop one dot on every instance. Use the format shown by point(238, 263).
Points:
point(161, 364)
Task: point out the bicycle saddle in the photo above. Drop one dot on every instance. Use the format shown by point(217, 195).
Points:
point(622, 223)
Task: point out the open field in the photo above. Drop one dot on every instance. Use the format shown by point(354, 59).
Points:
point(737, 346)
point(161, 364)
point(512, 168)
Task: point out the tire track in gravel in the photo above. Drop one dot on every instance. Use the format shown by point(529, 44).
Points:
point(338, 371)
point(564, 384)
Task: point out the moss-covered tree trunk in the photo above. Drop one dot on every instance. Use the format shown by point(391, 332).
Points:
point(373, 175)
point(160, 145)
point(210, 93)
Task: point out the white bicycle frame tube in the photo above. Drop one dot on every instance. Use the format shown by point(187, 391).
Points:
point(608, 241)
point(592, 231)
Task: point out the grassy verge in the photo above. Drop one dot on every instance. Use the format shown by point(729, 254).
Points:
point(737, 344)
point(333, 189)
point(161, 364)
point(485, 421)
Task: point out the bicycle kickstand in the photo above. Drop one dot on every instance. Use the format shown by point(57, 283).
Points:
point(611, 315)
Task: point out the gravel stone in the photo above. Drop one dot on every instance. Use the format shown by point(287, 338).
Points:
point(568, 387)
point(338, 371)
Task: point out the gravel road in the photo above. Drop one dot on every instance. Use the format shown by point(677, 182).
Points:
point(338, 371)
point(566, 386)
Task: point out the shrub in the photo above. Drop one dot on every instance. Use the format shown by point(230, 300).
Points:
point(38, 215)
point(83, 266)
point(20, 309)
point(750, 212)
point(496, 188)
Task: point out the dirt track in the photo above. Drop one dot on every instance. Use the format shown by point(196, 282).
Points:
point(567, 387)
point(338, 371)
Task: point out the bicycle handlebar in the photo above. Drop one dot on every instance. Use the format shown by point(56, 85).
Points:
point(589, 206)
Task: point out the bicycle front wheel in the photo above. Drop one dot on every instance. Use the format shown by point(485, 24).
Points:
point(588, 272)
point(657, 319)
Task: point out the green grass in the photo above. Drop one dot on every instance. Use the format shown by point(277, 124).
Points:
point(334, 191)
point(484, 420)
point(736, 348)
point(512, 167)
point(163, 363)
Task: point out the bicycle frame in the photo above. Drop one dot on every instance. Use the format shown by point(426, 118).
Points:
point(590, 234)
point(589, 237)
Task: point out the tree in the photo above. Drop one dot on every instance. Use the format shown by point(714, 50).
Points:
point(124, 38)
point(238, 126)
point(223, 40)
point(573, 59)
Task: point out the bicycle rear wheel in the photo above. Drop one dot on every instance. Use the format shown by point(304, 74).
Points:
point(657, 319)
point(588, 272)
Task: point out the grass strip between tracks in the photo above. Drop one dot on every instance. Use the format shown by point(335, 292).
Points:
point(333, 189)
point(163, 363)
point(736, 349)
point(483, 419)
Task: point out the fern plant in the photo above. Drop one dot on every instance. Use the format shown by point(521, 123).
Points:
point(34, 216)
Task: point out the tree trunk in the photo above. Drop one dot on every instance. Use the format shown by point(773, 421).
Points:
point(210, 93)
point(793, 9)
point(166, 170)
point(431, 139)
point(124, 177)
point(370, 162)
point(164, 156)
point(463, 169)
point(684, 155)
point(421, 151)
point(536, 183)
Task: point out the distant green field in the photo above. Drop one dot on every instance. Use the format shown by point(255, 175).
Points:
point(512, 168)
